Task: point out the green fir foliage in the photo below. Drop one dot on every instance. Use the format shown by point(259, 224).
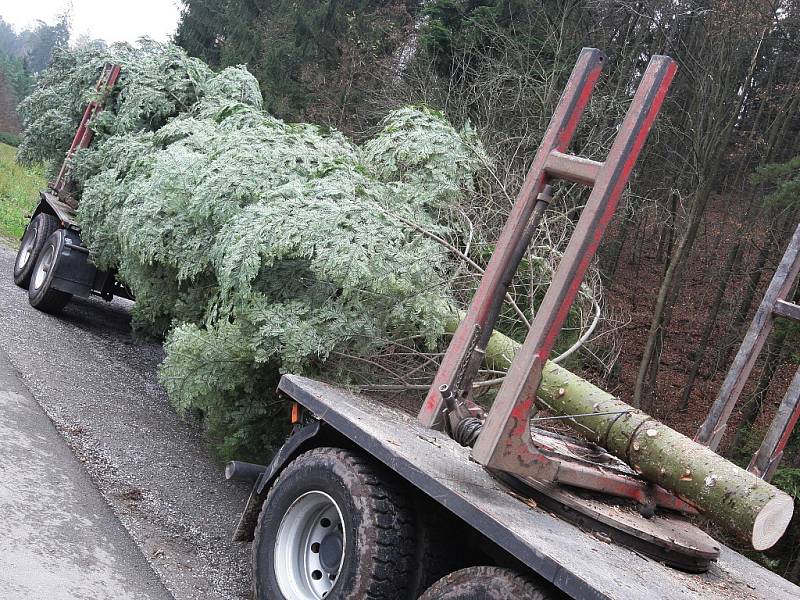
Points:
point(302, 51)
point(785, 177)
point(158, 81)
point(257, 247)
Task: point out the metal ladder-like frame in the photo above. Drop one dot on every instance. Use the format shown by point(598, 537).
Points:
point(775, 304)
point(84, 134)
point(505, 440)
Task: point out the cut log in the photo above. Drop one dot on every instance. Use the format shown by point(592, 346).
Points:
point(730, 496)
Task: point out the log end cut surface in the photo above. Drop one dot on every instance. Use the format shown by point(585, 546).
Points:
point(772, 521)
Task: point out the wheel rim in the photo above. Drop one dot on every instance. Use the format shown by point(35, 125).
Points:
point(43, 266)
point(309, 547)
point(26, 248)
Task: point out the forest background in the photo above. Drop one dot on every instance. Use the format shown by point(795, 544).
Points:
point(714, 200)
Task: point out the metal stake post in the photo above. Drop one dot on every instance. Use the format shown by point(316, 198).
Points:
point(505, 442)
point(457, 368)
point(775, 302)
point(84, 134)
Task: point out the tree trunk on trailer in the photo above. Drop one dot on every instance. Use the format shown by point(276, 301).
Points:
point(730, 496)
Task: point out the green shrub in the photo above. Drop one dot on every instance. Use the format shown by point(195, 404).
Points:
point(10, 139)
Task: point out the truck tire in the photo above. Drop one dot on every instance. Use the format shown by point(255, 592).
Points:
point(486, 583)
point(336, 526)
point(440, 543)
point(41, 295)
point(36, 234)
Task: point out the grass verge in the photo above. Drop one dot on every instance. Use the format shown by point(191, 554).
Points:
point(19, 192)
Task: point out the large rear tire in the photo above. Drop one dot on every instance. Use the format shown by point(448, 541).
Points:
point(486, 583)
point(335, 526)
point(41, 294)
point(36, 234)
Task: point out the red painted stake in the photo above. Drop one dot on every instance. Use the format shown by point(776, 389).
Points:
point(84, 134)
point(516, 234)
point(505, 442)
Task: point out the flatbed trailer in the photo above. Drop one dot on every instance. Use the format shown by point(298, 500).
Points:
point(364, 501)
point(576, 561)
point(52, 262)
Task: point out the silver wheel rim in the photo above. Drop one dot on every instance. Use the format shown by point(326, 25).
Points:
point(43, 266)
point(26, 248)
point(309, 547)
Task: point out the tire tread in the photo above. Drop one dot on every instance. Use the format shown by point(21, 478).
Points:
point(508, 585)
point(394, 554)
point(49, 226)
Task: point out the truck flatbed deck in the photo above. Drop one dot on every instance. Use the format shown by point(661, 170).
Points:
point(576, 561)
point(64, 212)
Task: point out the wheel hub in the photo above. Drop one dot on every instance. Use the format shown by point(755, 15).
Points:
point(309, 547)
point(26, 249)
point(330, 551)
point(43, 267)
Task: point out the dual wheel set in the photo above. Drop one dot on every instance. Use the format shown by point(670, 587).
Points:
point(339, 526)
point(36, 263)
point(335, 525)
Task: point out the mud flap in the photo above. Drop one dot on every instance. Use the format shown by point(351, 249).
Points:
point(75, 273)
point(314, 434)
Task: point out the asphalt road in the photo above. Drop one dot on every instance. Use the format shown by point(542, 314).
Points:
point(98, 386)
point(59, 540)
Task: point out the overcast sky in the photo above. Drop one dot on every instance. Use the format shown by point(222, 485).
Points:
point(111, 20)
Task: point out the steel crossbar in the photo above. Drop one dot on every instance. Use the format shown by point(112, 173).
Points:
point(505, 440)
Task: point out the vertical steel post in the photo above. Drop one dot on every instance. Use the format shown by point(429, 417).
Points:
point(516, 233)
point(505, 442)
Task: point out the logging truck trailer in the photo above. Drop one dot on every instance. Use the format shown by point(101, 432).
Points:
point(364, 501)
point(52, 261)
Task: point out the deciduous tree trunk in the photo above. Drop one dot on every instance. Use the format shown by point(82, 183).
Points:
point(731, 266)
point(671, 278)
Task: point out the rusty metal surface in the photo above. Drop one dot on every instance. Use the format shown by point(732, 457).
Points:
point(589, 467)
point(665, 537)
point(576, 561)
point(64, 212)
point(505, 440)
point(516, 234)
point(608, 482)
point(572, 168)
